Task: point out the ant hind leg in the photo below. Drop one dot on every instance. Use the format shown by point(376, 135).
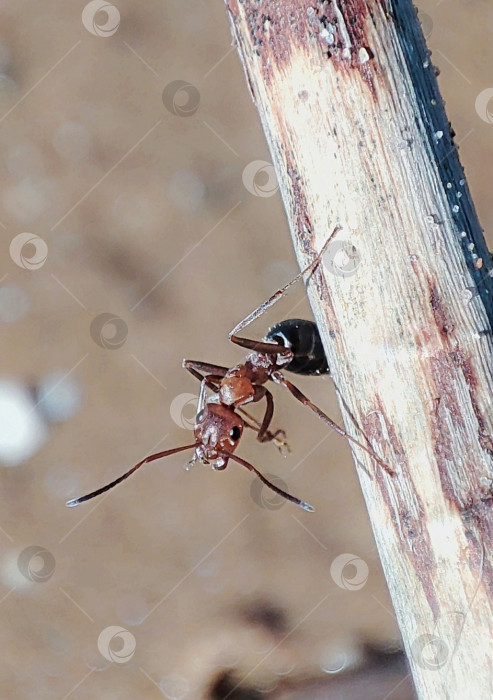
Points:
point(279, 378)
point(256, 313)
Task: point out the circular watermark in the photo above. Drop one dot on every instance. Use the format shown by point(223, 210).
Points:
point(123, 650)
point(430, 652)
point(484, 105)
point(28, 251)
point(101, 18)
point(342, 258)
point(259, 178)
point(181, 98)
point(36, 564)
point(349, 572)
point(108, 331)
point(264, 497)
point(426, 24)
point(174, 686)
point(183, 410)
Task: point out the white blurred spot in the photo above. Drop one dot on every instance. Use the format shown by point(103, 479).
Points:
point(14, 304)
point(58, 398)
point(24, 159)
point(27, 200)
point(10, 575)
point(22, 432)
point(72, 141)
point(186, 189)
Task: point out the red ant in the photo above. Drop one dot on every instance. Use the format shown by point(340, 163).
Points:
point(292, 345)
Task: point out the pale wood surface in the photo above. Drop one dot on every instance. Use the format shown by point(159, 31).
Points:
point(359, 136)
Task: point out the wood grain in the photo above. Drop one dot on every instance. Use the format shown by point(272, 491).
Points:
point(350, 106)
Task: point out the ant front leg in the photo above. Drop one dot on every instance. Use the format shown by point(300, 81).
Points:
point(212, 381)
point(199, 369)
point(279, 378)
point(212, 372)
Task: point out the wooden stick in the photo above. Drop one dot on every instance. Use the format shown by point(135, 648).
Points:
point(350, 106)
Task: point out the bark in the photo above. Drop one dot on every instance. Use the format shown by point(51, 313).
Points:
point(349, 103)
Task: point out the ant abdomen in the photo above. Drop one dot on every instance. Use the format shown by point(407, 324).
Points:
point(303, 339)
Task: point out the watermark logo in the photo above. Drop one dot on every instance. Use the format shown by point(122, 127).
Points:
point(342, 258)
point(36, 564)
point(174, 686)
point(430, 652)
point(108, 331)
point(183, 410)
point(264, 497)
point(349, 572)
point(181, 98)
point(116, 644)
point(259, 178)
point(28, 251)
point(484, 105)
point(101, 18)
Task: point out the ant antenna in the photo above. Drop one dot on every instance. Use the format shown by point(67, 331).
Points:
point(287, 496)
point(151, 458)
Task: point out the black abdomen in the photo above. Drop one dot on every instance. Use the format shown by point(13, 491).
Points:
point(303, 339)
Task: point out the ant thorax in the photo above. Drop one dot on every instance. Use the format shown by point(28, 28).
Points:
point(236, 387)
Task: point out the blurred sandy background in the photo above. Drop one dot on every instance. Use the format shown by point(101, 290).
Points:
point(146, 217)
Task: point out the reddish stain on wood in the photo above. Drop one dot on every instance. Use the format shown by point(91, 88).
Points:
point(444, 323)
point(279, 30)
point(404, 506)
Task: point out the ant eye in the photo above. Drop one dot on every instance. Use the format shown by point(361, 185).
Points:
point(235, 433)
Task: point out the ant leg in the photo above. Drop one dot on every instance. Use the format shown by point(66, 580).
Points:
point(349, 412)
point(209, 380)
point(262, 346)
point(278, 437)
point(195, 369)
point(280, 379)
point(269, 412)
point(212, 382)
point(280, 292)
point(204, 368)
point(262, 393)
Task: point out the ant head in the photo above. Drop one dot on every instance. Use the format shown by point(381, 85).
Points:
point(218, 429)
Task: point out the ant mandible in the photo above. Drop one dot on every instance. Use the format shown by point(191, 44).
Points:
point(292, 345)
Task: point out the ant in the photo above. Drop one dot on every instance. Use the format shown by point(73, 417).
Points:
point(292, 345)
